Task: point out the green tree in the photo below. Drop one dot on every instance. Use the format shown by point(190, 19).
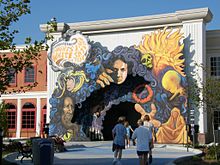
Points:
point(10, 13)
point(3, 117)
point(211, 98)
point(204, 93)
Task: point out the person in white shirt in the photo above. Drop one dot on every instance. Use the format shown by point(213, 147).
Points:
point(150, 127)
point(142, 134)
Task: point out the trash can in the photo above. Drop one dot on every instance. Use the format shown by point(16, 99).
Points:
point(43, 151)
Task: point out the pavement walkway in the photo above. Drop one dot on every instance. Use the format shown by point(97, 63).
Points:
point(99, 153)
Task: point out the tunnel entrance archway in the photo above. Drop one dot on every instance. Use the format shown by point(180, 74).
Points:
point(123, 109)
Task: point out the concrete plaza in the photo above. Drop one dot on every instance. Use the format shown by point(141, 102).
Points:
point(99, 153)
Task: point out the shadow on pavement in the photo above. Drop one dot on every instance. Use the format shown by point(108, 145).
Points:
point(108, 161)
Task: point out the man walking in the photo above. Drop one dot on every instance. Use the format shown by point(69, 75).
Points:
point(119, 136)
point(142, 134)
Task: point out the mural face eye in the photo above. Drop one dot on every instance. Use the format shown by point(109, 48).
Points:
point(68, 109)
point(123, 69)
point(144, 60)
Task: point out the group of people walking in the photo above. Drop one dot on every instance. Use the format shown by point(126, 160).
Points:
point(143, 137)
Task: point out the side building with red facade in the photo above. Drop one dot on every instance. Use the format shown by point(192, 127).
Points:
point(26, 111)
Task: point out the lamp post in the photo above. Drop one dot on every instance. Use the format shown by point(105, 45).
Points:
point(1, 143)
point(187, 131)
point(187, 140)
point(192, 122)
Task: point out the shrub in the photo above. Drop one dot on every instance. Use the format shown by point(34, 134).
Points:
point(211, 151)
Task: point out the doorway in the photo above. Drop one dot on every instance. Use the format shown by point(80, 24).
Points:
point(123, 109)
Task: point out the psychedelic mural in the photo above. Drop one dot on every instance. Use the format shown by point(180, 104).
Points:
point(92, 79)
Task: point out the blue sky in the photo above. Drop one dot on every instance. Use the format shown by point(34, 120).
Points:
point(90, 10)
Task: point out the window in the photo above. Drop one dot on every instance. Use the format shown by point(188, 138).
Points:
point(216, 119)
point(12, 75)
point(11, 116)
point(215, 66)
point(29, 75)
point(28, 116)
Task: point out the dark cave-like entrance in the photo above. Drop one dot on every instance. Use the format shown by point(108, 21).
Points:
point(102, 98)
point(123, 109)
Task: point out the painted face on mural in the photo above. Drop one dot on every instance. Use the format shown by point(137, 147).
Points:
point(175, 114)
point(120, 70)
point(70, 84)
point(171, 81)
point(153, 113)
point(68, 112)
point(68, 106)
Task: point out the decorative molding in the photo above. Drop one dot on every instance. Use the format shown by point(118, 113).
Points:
point(61, 27)
point(143, 22)
point(18, 47)
point(193, 14)
point(42, 94)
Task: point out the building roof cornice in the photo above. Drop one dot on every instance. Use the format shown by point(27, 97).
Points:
point(177, 18)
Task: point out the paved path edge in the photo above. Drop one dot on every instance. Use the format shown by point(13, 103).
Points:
point(180, 159)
